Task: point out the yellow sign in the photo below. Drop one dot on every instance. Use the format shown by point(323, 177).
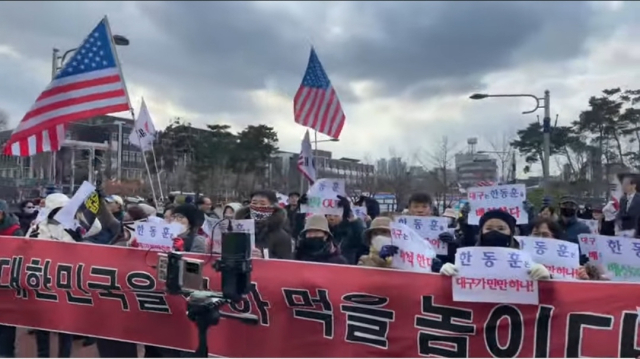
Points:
point(92, 203)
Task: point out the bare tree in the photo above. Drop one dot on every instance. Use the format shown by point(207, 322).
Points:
point(4, 120)
point(501, 148)
point(441, 160)
point(368, 181)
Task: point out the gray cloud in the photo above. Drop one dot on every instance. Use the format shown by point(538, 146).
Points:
point(205, 56)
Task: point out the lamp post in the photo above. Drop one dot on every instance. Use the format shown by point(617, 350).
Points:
point(57, 62)
point(546, 126)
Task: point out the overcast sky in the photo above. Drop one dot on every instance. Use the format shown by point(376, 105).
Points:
point(403, 71)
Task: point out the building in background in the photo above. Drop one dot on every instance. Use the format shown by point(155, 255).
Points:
point(472, 167)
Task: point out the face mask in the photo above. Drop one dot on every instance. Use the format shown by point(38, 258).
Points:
point(567, 212)
point(378, 242)
point(183, 228)
point(495, 239)
point(314, 247)
point(29, 210)
point(260, 213)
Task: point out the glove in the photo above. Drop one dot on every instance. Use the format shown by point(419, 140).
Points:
point(582, 273)
point(436, 265)
point(449, 269)
point(388, 250)
point(539, 272)
point(343, 203)
point(446, 237)
point(178, 245)
point(134, 243)
point(304, 199)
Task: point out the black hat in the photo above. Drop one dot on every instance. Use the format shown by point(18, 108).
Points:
point(498, 214)
point(191, 213)
point(294, 193)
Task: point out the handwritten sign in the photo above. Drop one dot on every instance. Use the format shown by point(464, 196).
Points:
point(591, 223)
point(494, 275)
point(589, 247)
point(360, 212)
point(155, 236)
point(510, 198)
point(620, 257)
point(323, 196)
point(414, 254)
point(561, 258)
point(428, 228)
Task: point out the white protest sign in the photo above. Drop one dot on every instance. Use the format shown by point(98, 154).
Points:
point(283, 199)
point(589, 248)
point(591, 223)
point(213, 234)
point(561, 258)
point(494, 275)
point(428, 228)
point(629, 233)
point(360, 212)
point(323, 196)
point(510, 198)
point(155, 236)
point(414, 253)
point(620, 257)
point(67, 214)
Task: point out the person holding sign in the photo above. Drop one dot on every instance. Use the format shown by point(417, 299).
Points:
point(347, 231)
point(316, 244)
point(188, 216)
point(497, 229)
point(377, 237)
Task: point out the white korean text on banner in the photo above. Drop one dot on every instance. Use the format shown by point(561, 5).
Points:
point(414, 253)
point(155, 236)
point(562, 258)
point(510, 198)
point(620, 257)
point(428, 228)
point(323, 196)
point(494, 275)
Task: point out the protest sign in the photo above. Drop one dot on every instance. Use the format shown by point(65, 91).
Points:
point(414, 253)
point(67, 215)
point(510, 198)
point(367, 313)
point(494, 275)
point(591, 223)
point(562, 258)
point(360, 212)
point(428, 228)
point(323, 196)
point(212, 232)
point(620, 257)
point(154, 235)
point(588, 247)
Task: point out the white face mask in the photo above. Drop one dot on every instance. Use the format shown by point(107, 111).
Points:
point(183, 228)
point(29, 210)
point(378, 242)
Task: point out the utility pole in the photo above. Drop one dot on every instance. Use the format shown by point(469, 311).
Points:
point(546, 136)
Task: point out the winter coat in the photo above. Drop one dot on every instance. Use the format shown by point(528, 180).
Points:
point(572, 229)
point(333, 257)
point(10, 226)
point(51, 229)
point(347, 236)
point(373, 260)
point(295, 219)
point(270, 233)
point(194, 243)
point(25, 220)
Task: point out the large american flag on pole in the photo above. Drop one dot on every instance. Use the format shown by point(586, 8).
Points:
point(89, 84)
point(316, 104)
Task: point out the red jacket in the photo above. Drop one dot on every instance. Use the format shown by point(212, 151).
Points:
point(11, 230)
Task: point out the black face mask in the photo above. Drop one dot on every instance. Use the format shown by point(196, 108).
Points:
point(567, 212)
point(313, 247)
point(495, 239)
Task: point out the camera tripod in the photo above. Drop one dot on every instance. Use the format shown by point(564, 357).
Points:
point(203, 308)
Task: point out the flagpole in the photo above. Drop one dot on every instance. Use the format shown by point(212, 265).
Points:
point(133, 115)
point(155, 163)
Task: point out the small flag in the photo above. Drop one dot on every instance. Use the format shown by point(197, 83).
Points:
point(306, 162)
point(316, 104)
point(144, 132)
point(89, 84)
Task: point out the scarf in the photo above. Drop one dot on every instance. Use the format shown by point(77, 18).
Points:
point(260, 213)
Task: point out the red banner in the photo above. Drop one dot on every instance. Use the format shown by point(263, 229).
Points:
point(309, 310)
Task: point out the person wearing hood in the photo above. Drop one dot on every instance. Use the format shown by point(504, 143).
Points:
point(230, 210)
point(315, 243)
point(270, 221)
point(376, 237)
point(115, 204)
point(347, 231)
point(568, 221)
point(497, 229)
point(27, 214)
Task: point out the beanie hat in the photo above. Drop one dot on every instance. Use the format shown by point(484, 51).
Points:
point(191, 213)
point(498, 214)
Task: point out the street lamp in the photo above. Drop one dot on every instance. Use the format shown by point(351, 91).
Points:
point(546, 126)
point(329, 140)
point(118, 40)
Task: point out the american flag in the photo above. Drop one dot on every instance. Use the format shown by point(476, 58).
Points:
point(485, 183)
point(316, 104)
point(89, 84)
